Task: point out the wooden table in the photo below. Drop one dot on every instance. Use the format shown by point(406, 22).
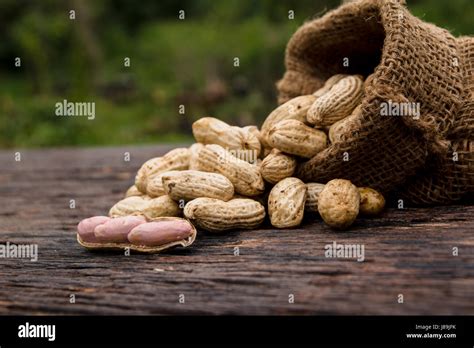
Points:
point(408, 252)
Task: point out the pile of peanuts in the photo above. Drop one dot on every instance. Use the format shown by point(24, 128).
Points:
point(232, 177)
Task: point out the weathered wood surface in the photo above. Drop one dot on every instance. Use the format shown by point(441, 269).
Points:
point(407, 252)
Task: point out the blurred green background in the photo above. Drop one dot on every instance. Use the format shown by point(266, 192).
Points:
point(173, 62)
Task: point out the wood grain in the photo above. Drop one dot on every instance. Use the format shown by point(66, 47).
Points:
point(407, 252)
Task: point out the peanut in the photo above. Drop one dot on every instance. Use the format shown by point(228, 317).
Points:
point(150, 208)
point(337, 103)
point(85, 228)
point(314, 189)
point(135, 233)
point(338, 203)
point(296, 138)
point(345, 126)
point(194, 153)
point(277, 166)
point(371, 201)
point(163, 231)
point(133, 191)
point(294, 109)
point(191, 184)
point(210, 130)
point(155, 187)
point(215, 215)
point(329, 84)
point(177, 159)
point(286, 203)
point(245, 177)
point(116, 230)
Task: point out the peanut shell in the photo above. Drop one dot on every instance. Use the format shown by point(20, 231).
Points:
point(372, 202)
point(338, 203)
point(215, 215)
point(295, 138)
point(286, 203)
point(294, 109)
point(245, 177)
point(210, 130)
point(277, 166)
point(337, 103)
point(190, 184)
point(177, 159)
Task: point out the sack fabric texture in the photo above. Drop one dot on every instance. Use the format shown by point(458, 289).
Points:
point(427, 159)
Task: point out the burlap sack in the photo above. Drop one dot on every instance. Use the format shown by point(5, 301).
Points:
point(411, 61)
point(451, 178)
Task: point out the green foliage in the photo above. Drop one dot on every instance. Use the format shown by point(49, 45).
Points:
point(456, 16)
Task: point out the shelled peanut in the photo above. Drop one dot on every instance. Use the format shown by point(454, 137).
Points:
point(135, 233)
